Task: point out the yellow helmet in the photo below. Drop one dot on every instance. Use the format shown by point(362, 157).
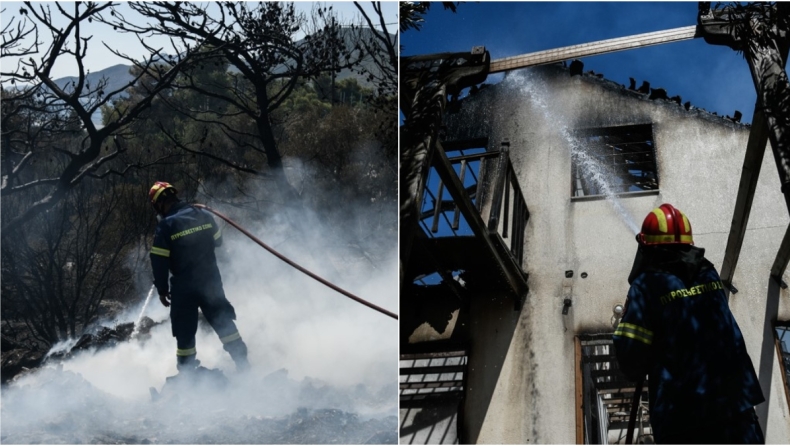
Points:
point(665, 225)
point(157, 189)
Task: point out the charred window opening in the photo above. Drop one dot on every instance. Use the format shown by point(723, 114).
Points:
point(606, 395)
point(613, 161)
point(782, 332)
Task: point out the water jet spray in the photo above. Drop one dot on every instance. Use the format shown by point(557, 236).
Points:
point(596, 172)
point(136, 330)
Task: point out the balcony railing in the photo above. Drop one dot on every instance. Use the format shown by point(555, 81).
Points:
point(441, 215)
point(473, 206)
point(507, 211)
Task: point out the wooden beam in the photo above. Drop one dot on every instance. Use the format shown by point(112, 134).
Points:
point(421, 400)
point(433, 370)
point(781, 365)
point(752, 162)
point(782, 258)
point(447, 174)
point(755, 149)
point(617, 388)
point(579, 392)
point(594, 48)
point(432, 355)
point(432, 384)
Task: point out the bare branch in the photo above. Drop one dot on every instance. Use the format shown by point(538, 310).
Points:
point(258, 41)
point(74, 106)
point(212, 156)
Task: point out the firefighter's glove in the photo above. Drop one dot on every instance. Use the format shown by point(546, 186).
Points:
point(165, 299)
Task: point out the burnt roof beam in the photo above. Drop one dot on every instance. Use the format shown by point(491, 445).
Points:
point(594, 48)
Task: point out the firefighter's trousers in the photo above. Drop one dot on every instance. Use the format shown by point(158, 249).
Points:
point(210, 299)
point(743, 428)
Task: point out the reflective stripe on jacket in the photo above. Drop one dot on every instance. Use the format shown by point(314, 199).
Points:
point(684, 337)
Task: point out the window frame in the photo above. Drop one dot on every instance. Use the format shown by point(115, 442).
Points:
point(591, 132)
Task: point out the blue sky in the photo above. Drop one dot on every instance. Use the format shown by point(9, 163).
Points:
point(715, 78)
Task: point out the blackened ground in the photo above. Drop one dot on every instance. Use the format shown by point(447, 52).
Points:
point(22, 357)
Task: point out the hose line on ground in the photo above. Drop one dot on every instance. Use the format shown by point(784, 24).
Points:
point(290, 262)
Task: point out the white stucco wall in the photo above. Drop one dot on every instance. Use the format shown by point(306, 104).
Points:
point(700, 159)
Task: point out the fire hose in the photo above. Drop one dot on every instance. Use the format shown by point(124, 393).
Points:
point(293, 264)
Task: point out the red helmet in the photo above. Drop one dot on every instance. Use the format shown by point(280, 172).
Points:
point(665, 225)
point(157, 189)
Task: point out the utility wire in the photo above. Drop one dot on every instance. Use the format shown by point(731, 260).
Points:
point(293, 264)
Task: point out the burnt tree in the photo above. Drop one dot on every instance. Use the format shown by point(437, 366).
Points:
point(267, 63)
point(29, 87)
point(381, 52)
point(59, 267)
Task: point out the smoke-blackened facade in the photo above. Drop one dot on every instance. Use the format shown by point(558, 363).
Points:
point(527, 376)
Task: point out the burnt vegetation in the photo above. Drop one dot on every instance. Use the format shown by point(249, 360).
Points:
point(253, 106)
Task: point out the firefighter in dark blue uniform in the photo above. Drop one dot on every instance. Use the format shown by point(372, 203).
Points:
point(184, 246)
point(678, 329)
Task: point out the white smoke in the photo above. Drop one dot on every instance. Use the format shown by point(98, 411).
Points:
point(309, 346)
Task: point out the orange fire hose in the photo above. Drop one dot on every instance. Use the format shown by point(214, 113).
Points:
point(290, 262)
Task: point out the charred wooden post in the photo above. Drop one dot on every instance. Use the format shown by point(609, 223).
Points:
point(760, 31)
point(425, 82)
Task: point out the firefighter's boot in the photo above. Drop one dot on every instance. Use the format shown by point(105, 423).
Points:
point(238, 352)
point(187, 364)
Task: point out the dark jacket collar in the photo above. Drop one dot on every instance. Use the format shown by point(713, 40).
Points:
point(683, 261)
point(177, 206)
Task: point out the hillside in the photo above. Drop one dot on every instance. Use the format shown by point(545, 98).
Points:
point(118, 75)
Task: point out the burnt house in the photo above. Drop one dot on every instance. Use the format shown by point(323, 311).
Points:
point(516, 275)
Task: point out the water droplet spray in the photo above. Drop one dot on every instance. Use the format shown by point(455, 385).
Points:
point(142, 312)
point(535, 89)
